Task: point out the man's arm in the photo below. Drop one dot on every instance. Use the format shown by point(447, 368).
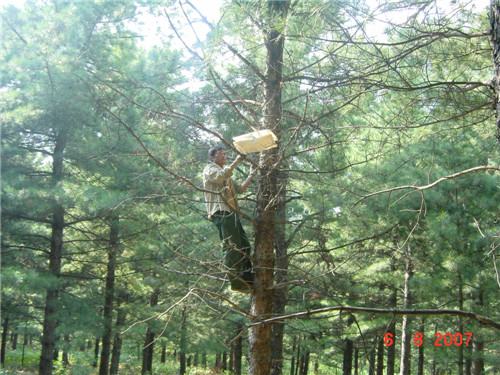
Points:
point(245, 184)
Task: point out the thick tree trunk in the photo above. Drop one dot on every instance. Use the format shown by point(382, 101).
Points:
point(260, 336)
point(50, 320)
point(495, 38)
point(109, 293)
point(280, 293)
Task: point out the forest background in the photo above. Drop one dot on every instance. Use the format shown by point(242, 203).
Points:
point(375, 221)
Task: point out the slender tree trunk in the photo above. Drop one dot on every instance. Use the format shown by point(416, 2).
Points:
point(96, 353)
point(495, 37)
point(461, 349)
point(163, 352)
point(182, 345)
point(347, 361)
point(421, 349)
point(478, 344)
point(50, 320)
point(391, 350)
point(356, 361)
point(117, 342)
point(292, 364)
point(109, 293)
point(5, 329)
point(237, 352)
point(260, 336)
point(148, 349)
point(405, 331)
point(468, 360)
point(371, 371)
point(477, 361)
point(66, 348)
point(380, 358)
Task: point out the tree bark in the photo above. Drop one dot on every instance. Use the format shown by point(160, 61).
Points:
point(117, 342)
point(391, 350)
point(478, 344)
point(421, 349)
point(148, 349)
point(182, 344)
point(405, 332)
point(495, 38)
point(281, 277)
point(109, 293)
point(237, 352)
point(5, 328)
point(380, 358)
point(50, 320)
point(96, 352)
point(260, 336)
point(347, 361)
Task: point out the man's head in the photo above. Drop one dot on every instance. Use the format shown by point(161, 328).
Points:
point(218, 155)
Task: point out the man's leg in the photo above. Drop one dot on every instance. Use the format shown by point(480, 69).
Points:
point(236, 249)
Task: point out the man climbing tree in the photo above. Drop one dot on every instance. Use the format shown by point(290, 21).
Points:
point(222, 209)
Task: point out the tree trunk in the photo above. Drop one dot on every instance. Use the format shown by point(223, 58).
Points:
point(109, 293)
point(148, 349)
point(347, 362)
point(391, 350)
point(65, 355)
point(477, 361)
point(5, 328)
point(495, 37)
point(421, 348)
point(237, 352)
point(380, 358)
point(468, 361)
point(461, 349)
point(182, 344)
point(96, 353)
point(50, 320)
point(163, 352)
point(356, 361)
point(260, 336)
point(117, 342)
point(292, 364)
point(405, 331)
point(281, 277)
point(478, 344)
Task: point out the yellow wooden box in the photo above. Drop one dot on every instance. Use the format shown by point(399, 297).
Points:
point(256, 141)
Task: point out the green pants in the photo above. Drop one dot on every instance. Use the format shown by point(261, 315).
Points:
point(236, 247)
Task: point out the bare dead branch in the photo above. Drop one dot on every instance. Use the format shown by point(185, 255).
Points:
point(431, 185)
point(467, 314)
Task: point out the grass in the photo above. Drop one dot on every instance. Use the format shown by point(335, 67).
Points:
point(80, 365)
